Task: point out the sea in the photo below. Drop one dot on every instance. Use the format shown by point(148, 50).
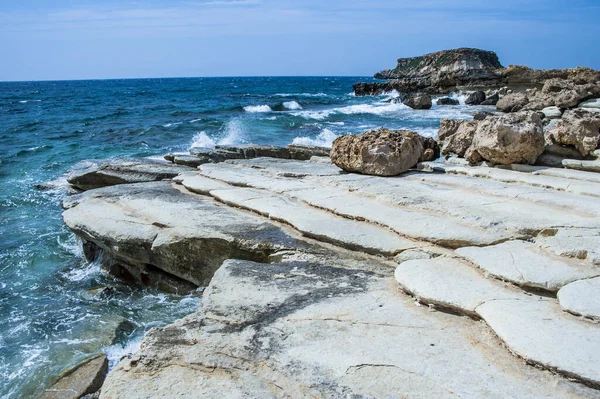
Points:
point(55, 307)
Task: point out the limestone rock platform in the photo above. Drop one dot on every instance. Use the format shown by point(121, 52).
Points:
point(445, 282)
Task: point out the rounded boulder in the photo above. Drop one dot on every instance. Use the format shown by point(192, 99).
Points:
point(379, 152)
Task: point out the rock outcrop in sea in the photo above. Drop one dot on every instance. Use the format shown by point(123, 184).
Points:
point(467, 69)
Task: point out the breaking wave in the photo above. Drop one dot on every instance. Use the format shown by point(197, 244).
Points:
point(257, 108)
point(292, 105)
point(323, 139)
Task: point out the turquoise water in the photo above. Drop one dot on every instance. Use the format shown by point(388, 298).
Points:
point(48, 317)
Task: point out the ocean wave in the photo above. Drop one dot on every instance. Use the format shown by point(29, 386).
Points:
point(172, 124)
point(374, 109)
point(323, 139)
point(301, 95)
point(201, 139)
point(292, 105)
point(257, 108)
point(234, 133)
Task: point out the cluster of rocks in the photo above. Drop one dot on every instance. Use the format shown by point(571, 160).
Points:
point(551, 136)
point(467, 69)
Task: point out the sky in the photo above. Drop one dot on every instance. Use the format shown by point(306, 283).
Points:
point(101, 39)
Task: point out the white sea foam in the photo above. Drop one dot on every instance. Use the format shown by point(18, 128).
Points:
point(202, 140)
point(195, 120)
point(292, 105)
point(374, 109)
point(301, 95)
point(234, 133)
point(257, 108)
point(323, 139)
point(172, 124)
point(116, 352)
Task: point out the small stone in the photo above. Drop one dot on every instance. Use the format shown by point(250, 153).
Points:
point(552, 112)
point(447, 101)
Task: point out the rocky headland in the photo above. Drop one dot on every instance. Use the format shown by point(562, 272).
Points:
point(374, 269)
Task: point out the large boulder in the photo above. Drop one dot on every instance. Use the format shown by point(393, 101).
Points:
point(512, 102)
point(578, 128)
point(475, 98)
point(418, 101)
point(379, 152)
point(456, 136)
point(507, 139)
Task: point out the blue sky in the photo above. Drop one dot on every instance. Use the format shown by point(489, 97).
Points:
point(80, 39)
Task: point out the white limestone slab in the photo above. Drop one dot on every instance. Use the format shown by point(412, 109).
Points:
point(523, 263)
point(581, 298)
point(557, 172)
point(199, 184)
point(450, 283)
point(508, 176)
point(589, 166)
point(540, 332)
point(316, 223)
point(573, 243)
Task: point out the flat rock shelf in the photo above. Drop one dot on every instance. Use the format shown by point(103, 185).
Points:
point(444, 282)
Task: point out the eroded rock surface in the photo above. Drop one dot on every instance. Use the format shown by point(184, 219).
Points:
point(311, 307)
point(98, 173)
point(579, 128)
point(323, 328)
point(507, 139)
point(380, 152)
point(83, 378)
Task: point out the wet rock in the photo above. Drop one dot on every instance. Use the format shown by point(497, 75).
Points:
point(84, 378)
point(249, 151)
point(591, 104)
point(431, 150)
point(479, 116)
point(418, 101)
point(578, 128)
point(475, 98)
point(491, 100)
point(512, 102)
point(507, 139)
point(380, 152)
point(94, 173)
point(552, 112)
point(446, 101)
point(306, 152)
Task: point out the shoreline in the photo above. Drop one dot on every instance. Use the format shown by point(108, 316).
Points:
point(294, 243)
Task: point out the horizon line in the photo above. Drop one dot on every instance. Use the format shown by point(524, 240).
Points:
point(188, 77)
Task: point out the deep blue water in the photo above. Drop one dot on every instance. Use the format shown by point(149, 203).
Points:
point(48, 319)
